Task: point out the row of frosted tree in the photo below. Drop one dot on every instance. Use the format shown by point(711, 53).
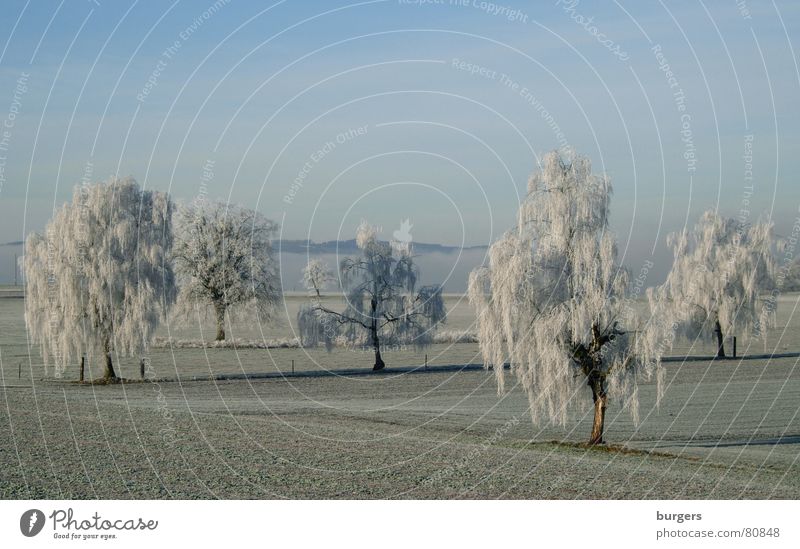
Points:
point(552, 301)
point(117, 259)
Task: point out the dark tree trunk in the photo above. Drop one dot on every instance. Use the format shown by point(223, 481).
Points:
point(720, 340)
point(590, 361)
point(376, 344)
point(83, 367)
point(379, 363)
point(220, 310)
point(109, 371)
point(600, 399)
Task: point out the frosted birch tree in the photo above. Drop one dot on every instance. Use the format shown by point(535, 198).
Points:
point(720, 267)
point(99, 280)
point(224, 261)
point(383, 304)
point(552, 300)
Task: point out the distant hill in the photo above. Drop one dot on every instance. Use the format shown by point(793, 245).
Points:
point(334, 246)
point(439, 264)
point(349, 247)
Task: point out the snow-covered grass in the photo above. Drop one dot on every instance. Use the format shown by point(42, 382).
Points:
point(235, 343)
point(441, 337)
point(731, 426)
point(455, 336)
point(270, 347)
point(426, 435)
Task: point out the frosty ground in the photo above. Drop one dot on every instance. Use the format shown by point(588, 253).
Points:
point(725, 429)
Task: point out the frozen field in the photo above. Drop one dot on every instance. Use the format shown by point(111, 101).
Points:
point(17, 361)
point(724, 430)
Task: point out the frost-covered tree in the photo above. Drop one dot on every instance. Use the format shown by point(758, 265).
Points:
point(317, 276)
point(224, 261)
point(383, 304)
point(552, 300)
point(720, 267)
point(793, 277)
point(787, 276)
point(99, 280)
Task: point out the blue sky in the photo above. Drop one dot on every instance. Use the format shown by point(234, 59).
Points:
point(373, 107)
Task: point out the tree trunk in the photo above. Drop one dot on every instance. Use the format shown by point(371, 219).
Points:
point(376, 344)
point(109, 372)
point(220, 310)
point(600, 399)
point(379, 363)
point(83, 366)
point(720, 340)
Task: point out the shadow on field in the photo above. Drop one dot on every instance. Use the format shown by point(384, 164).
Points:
point(791, 439)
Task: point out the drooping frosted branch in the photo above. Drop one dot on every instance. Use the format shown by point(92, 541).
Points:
point(100, 279)
point(551, 300)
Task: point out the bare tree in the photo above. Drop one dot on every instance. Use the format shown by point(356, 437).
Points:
point(720, 268)
point(383, 304)
point(224, 260)
point(99, 280)
point(552, 299)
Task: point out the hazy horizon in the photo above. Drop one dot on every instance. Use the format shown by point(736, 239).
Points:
point(321, 114)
